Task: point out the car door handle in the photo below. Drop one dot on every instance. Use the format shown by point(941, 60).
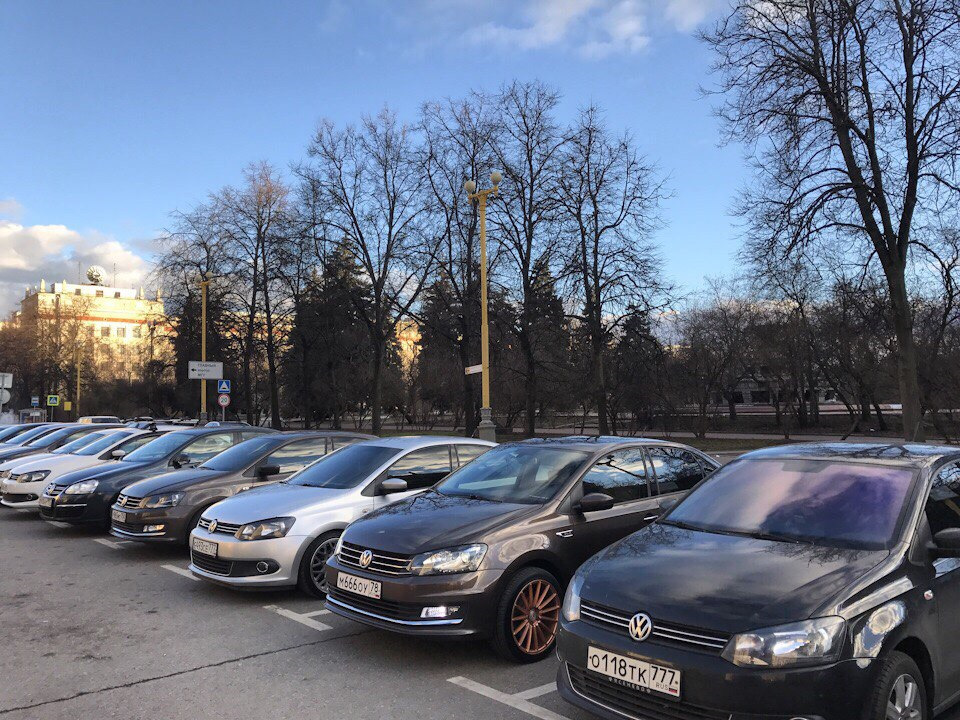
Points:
point(650, 518)
point(565, 533)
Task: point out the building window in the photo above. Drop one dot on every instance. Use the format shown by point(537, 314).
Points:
point(105, 331)
point(77, 291)
point(89, 331)
point(99, 293)
point(116, 294)
point(121, 332)
point(136, 331)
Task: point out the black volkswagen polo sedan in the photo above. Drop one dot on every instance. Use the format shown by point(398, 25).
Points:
point(816, 582)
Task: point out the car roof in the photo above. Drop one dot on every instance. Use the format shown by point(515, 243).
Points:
point(412, 442)
point(596, 443)
point(325, 433)
point(206, 429)
point(915, 455)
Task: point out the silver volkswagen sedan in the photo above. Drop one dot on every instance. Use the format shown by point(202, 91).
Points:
point(282, 535)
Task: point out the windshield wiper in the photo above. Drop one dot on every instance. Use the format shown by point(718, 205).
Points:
point(773, 537)
point(683, 526)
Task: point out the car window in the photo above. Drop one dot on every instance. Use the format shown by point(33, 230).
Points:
point(135, 442)
point(205, 447)
point(346, 468)
point(58, 437)
point(81, 442)
point(466, 453)
point(296, 455)
point(622, 475)
point(943, 504)
point(422, 468)
point(340, 441)
point(11, 432)
point(248, 434)
point(677, 470)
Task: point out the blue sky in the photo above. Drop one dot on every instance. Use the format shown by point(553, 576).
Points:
point(117, 113)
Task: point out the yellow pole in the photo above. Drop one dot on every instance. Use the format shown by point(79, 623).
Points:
point(484, 328)
point(203, 346)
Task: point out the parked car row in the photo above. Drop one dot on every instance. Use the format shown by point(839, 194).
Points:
point(808, 582)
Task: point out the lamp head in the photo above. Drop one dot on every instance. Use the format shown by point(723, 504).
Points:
point(470, 186)
point(496, 177)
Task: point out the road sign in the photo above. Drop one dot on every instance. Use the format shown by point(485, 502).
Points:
point(223, 386)
point(34, 401)
point(68, 405)
point(4, 397)
point(473, 369)
point(223, 400)
point(198, 370)
point(6, 381)
point(53, 400)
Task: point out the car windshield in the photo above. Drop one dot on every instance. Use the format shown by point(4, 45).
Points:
point(55, 437)
point(104, 441)
point(841, 504)
point(158, 449)
point(344, 468)
point(80, 442)
point(241, 455)
point(29, 435)
point(526, 474)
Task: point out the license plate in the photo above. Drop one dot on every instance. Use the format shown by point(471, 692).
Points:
point(634, 673)
point(118, 516)
point(46, 501)
point(205, 547)
point(359, 585)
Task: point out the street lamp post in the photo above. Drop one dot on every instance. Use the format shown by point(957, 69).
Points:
point(487, 430)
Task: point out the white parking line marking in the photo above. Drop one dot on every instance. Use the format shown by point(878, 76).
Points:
point(315, 613)
point(115, 544)
point(303, 619)
point(515, 701)
point(59, 524)
point(536, 692)
point(180, 571)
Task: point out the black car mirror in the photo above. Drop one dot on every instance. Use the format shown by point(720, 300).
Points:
point(268, 470)
point(118, 454)
point(393, 485)
point(594, 502)
point(946, 543)
point(667, 503)
point(180, 461)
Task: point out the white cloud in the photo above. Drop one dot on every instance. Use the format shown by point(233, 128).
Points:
point(688, 14)
point(30, 253)
point(10, 208)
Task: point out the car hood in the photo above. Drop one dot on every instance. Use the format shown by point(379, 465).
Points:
point(109, 474)
point(28, 462)
point(720, 582)
point(277, 500)
point(171, 481)
point(431, 521)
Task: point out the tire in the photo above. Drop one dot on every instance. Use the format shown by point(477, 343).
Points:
point(192, 524)
point(313, 560)
point(899, 682)
point(528, 616)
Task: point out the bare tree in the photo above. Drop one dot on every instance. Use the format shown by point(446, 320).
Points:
point(853, 106)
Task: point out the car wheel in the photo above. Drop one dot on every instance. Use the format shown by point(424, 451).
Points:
point(312, 577)
point(192, 525)
point(528, 616)
point(900, 693)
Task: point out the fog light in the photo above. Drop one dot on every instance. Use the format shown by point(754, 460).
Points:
point(440, 611)
point(262, 567)
point(153, 528)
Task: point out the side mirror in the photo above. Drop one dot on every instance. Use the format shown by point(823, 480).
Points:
point(595, 502)
point(946, 544)
point(393, 485)
point(268, 470)
point(117, 454)
point(667, 503)
point(180, 460)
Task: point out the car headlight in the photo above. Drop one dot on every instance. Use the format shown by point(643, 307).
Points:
point(466, 558)
point(339, 547)
point(81, 488)
point(162, 501)
point(4, 474)
point(32, 476)
point(571, 600)
point(811, 642)
point(265, 529)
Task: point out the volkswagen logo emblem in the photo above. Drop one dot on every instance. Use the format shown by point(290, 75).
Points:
point(366, 557)
point(640, 627)
point(212, 527)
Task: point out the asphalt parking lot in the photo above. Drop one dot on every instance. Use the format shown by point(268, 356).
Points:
point(95, 627)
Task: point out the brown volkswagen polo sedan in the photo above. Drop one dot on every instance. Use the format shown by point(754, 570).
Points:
point(489, 550)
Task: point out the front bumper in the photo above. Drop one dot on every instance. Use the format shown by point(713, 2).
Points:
point(236, 563)
point(77, 509)
point(21, 495)
point(402, 599)
point(711, 688)
point(175, 521)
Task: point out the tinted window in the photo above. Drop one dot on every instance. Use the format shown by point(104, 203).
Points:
point(676, 470)
point(9, 433)
point(466, 453)
point(345, 468)
point(422, 468)
point(943, 505)
point(128, 446)
point(158, 449)
point(515, 473)
point(81, 442)
point(828, 503)
point(242, 454)
point(204, 448)
point(32, 433)
point(297, 455)
point(622, 475)
point(102, 442)
point(58, 437)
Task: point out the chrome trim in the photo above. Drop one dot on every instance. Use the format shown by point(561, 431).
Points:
point(126, 533)
point(414, 623)
point(945, 565)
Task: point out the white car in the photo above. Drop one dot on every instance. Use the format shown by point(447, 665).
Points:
point(24, 479)
point(282, 535)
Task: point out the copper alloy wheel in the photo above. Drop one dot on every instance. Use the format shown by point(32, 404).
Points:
point(534, 617)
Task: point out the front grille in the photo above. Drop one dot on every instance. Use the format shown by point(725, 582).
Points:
point(662, 633)
point(211, 564)
point(222, 527)
point(635, 703)
point(126, 501)
point(127, 527)
point(385, 563)
point(56, 490)
point(385, 608)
